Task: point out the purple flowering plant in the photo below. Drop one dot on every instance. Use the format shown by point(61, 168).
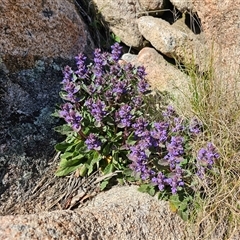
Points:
point(107, 128)
point(101, 102)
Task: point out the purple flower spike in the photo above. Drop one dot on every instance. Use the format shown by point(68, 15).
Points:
point(141, 72)
point(206, 158)
point(175, 147)
point(169, 112)
point(116, 51)
point(159, 180)
point(72, 117)
point(82, 69)
point(140, 126)
point(99, 63)
point(98, 110)
point(160, 131)
point(124, 117)
point(120, 88)
point(67, 75)
point(71, 88)
point(65, 110)
point(93, 142)
point(175, 151)
point(175, 180)
point(143, 86)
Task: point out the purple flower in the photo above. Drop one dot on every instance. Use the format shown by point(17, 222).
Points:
point(109, 95)
point(115, 69)
point(137, 153)
point(140, 126)
point(99, 62)
point(170, 112)
point(143, 86)
point(175, 180)
point(137, 101)
point(97, 109)
point(141, 169)
point(123, 116)
point(139, 163)
point(206, 158)
point(65, 109)
point(175, 147)
point(67, 75)
point(93, 142)
point(98, 83)
point(82, 69)
point(159, 180)
point(128, 68)
point(175, 151)
point(71, 88)
point(120, 88)
point(160, 131)
point(116, 51)
point(141, 72)
point(72, 117)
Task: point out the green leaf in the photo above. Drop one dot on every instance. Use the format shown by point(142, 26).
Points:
point(68, 163)
point(106, 149)
point(65, 171)
point(131, 140)
point(83, 170)
point(174, 202)
point(64, 129)
point(77, 157)
point(108, 169)
point(55, 114)
point(85, 88)
point(61, 147)
point(151, 191)
point(143, 188)
point(184, 161)
point(184, 215)
point(116, 38)
point(97, 124)
point(67, 155)
point(104, 184)
point(95, 159)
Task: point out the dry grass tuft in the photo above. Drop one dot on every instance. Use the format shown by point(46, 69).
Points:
point(217, 104)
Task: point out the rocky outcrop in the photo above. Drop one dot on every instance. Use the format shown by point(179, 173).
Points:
point(221, 27)
point(175, 41)
point(192, 32)
point(161, 74)
point(121, 17)
point(120, 213)
point(35, 29)
point(37, 39)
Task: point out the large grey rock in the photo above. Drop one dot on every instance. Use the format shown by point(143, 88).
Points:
point(221, 28)
point(27, 136)
point(120, 213)
point(121, 17)
point(34, 29)
point(175, 41)
point(160, 74)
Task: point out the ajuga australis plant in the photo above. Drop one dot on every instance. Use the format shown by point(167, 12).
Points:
point(107, 129)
